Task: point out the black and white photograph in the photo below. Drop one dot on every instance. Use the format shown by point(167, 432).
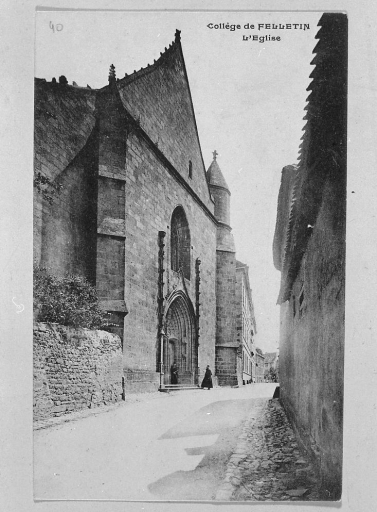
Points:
point(189, 237)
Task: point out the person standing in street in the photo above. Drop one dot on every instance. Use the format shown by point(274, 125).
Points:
point(174, 373)
point(207, 381)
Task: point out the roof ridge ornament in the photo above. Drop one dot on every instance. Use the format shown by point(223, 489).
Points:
point(112, 74)
point(177, 36)
point(215, 153)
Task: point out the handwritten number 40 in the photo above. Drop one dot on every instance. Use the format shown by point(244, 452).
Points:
point(58, 27)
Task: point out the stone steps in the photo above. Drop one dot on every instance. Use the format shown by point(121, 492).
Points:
point(178, 387)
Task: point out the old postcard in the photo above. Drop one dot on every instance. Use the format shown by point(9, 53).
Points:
point(189, 255)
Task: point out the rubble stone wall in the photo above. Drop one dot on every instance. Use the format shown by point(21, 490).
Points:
point(74, 369)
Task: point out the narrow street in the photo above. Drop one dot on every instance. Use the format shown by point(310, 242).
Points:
point(191, 445)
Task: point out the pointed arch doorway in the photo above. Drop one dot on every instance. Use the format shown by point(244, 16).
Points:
point(180, 340)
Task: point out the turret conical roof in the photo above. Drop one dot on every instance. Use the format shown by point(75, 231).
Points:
point(214, 174)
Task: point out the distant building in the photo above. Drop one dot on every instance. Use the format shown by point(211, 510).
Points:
point(259, 365)
point(271, 360)
point(245, 324)
point(309, 250)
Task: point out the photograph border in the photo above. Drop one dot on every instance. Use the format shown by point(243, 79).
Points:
point(360, 375)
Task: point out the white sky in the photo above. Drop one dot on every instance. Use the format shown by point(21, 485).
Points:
point(248, 99)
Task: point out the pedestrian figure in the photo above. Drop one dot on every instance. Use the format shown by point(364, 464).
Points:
point(207, 381)
point(174, 373)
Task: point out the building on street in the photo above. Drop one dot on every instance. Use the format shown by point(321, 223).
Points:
point(271, 362)
point(309, 250)
point(246, 325)
point(127, 203)
point(259, 365)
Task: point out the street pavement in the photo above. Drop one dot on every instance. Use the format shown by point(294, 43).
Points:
point(224, 444)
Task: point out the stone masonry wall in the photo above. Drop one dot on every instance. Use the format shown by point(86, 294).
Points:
point(160, 98)
point(69, 224)
point(226, 298)
point(226, 340)
point(64, 131)
point(227, 366)
point(74, 369)
point(152, 194)
point(312, 344)
point(112, 137)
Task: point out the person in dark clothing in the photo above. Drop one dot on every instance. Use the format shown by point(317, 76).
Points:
point(207, 381)
point(174, 373)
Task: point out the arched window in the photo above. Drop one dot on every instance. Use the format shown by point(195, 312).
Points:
point(180, 242)
point(190, 169)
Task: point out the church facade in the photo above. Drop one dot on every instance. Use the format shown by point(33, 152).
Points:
point(137, 214)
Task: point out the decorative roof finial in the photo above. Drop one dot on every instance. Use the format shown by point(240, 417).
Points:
point(215, 153)
point(177, 36)
point(112, 75)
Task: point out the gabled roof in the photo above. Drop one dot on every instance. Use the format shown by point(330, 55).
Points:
point(159, 98)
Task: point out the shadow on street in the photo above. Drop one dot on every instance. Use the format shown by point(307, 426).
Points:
point(222, 421)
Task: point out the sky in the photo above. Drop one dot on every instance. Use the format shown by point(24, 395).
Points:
point(248, 97)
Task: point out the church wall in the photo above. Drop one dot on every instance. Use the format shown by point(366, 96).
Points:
point(312, 343)
point(227, 366)
point(160, 98)
point(226, 342)
point(152, 194)
point(68, 225)
point(64, 142)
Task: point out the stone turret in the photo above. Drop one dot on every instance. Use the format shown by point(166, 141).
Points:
point(221, 195)
point(226, 355)
point(219, 190)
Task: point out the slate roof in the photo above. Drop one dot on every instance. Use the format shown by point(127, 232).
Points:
point(215, 175)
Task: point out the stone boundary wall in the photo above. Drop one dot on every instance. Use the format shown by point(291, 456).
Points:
point(74, 369)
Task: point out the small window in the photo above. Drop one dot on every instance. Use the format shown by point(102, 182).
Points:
point(190, 169)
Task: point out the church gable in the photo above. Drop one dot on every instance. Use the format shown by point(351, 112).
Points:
point(159, 98)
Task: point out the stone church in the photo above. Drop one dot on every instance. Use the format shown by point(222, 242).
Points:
point(138, 215)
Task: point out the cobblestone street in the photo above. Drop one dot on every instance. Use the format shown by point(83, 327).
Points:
point(267, 463)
